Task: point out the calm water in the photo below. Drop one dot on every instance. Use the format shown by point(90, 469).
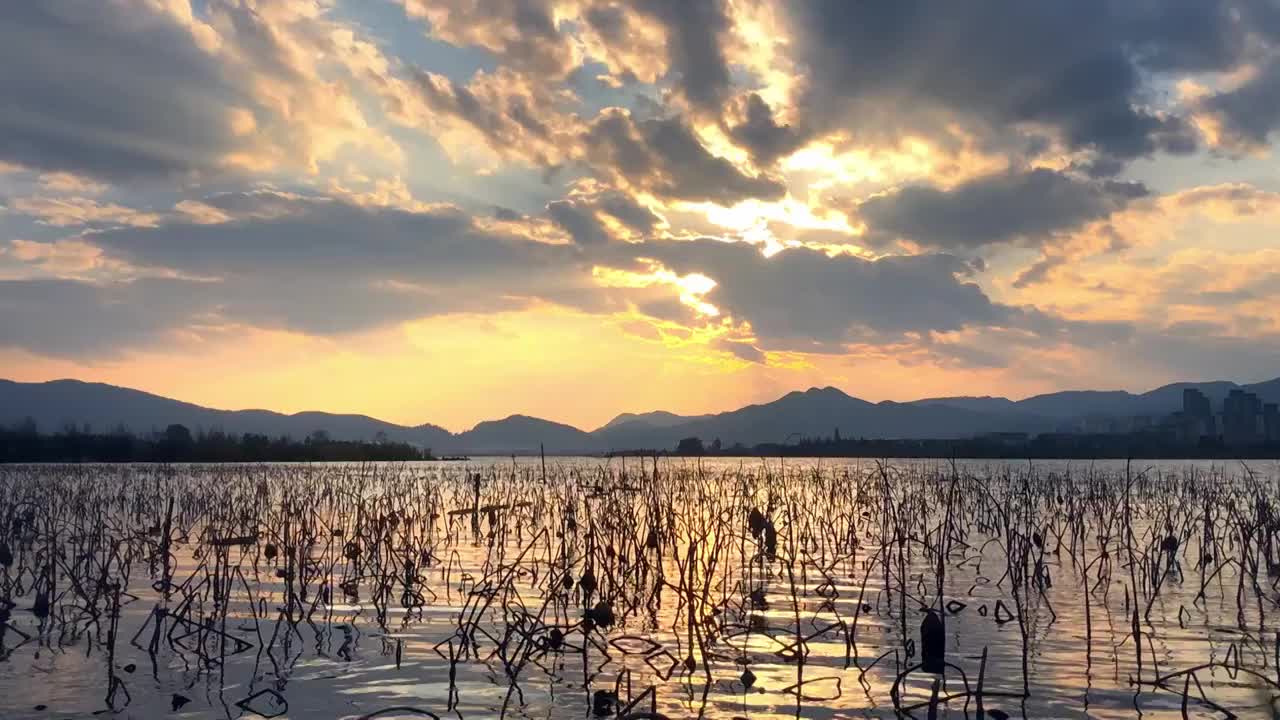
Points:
point(406, 590)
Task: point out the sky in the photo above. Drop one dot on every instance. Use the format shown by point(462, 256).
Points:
point(454, 210)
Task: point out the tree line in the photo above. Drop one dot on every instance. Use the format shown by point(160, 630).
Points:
point(24, 443)
point(1148, 445)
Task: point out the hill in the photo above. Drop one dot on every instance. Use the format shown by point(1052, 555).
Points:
point(813, 413)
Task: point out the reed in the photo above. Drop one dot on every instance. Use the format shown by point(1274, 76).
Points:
point(670, 590)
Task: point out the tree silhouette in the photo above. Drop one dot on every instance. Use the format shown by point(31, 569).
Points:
point(690, 446)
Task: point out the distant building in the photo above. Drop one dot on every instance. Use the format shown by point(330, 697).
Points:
point(1242, 419)
point(1196, 403)
point(1271, 423)
point(1196, 421)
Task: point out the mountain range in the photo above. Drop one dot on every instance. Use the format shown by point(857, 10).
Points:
point(816, 412)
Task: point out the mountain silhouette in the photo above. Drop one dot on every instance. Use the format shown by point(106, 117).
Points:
point(522, 434)
point(55, 405)
point(816, 412)
point(657, 419)
point(1113, 403)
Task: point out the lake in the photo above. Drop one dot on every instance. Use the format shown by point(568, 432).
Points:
point(590, 588)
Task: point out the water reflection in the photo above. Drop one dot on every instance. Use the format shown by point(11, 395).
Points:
point(722, 588)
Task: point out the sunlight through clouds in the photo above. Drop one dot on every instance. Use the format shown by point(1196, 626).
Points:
point(772, 188)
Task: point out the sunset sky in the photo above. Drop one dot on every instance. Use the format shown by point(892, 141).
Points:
point(453, 210)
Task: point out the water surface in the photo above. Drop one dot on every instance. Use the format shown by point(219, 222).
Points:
point(720, 588)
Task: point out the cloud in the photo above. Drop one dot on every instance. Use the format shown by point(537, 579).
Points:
point(512, 116)
point(1202, 353)
point(1076, 72)
point(1246, 116)
point(665, 156)
point(69, 317)
point(146, 126)
point(802, 299)
point(761, 134)
point(695, 54)
point(1018, 205)
point(80, 212)
point(584, 216)
point(742, 351)
point(132, 90)
point(579, 220)
point(523, 33)
point(68, 183)
point(110, 90)
point(322, 265)
point(311, 264)
point(69, 257)
point(679, 39)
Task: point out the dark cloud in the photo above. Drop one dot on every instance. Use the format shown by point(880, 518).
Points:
point(1180, 35)
point(135, 90)
point(614, 143)
point(666, 307)
point(67, 317)
point(93, 89)
point(76, 318)
point(326, 269)
point(1250, 113)
point(1076, 69)
point(579, 220)
point(761, 135)
point(608, 21)
point(1026, 329)
point(1029, 205)
point(695, 52)
point(281, 233)
point(800, 297)
point(319, 267)
point(627, 211)
point(325, 266)
point(742, 350)
point(580, 216)
point(664, 156)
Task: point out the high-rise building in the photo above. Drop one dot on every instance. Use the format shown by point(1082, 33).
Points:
point(1196, 403)
point(1242, 417)
point(1196, 420)
point(1271, 423)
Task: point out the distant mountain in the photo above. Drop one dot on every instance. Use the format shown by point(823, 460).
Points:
point(521, 434)
point(57, 404)
point(657, 419)
point(819, 412)
point(1073, 404)
point(986, 403)
point(1079, 403)
point(54, 405)
point(1268, 390)
point(813, 413)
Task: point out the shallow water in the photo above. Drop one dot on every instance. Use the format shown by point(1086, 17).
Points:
point(387, 589)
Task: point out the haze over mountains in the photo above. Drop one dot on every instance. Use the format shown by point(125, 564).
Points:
point(816, 412)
